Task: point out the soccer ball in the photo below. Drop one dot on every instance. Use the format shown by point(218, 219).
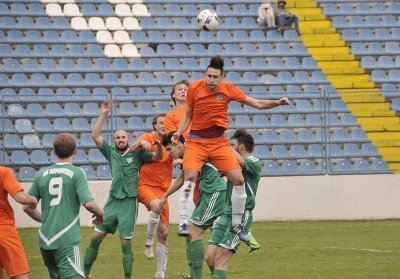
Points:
point(207, 20)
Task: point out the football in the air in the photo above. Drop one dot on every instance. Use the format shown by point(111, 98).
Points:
point(207, 20)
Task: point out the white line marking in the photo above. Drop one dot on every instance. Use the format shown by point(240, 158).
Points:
point(359, 249)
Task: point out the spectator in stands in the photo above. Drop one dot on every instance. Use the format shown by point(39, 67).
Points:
point(285, 17)
point(266, 16)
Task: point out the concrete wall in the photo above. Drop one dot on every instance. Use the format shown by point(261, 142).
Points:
point(291, 198)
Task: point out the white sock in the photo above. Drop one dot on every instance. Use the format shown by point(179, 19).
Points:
point(185, 202)
point(238, 199)
point(162, 255)
point(152, 224)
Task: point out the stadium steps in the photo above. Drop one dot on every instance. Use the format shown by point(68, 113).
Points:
point(353, 84)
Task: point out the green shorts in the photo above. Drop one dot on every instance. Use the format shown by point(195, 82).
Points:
point(121, 213)
point(209, 207)
point(222, 235)
point(64, 262)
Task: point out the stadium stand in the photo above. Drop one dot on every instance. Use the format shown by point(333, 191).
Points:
point(61, 60)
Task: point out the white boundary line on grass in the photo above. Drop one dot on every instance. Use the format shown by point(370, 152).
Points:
point(359, 249)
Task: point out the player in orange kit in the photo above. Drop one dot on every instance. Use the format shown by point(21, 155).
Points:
point(154, 180)
point(12, 254)
point(206, 112)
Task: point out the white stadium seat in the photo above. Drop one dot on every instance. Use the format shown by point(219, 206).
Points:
point(112, 50)
point(129, 50)
point(122, 37)
point(96, 23)
point(113, 23)
point(123, 10)
point(54, 9)
point(104, 37)
point(72, 9)
point(139, 10)
point(79, 23)
point(131, 23)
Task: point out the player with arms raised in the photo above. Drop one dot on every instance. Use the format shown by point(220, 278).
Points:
point(206, 110)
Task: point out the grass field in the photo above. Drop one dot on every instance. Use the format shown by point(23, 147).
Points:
point(298, 250)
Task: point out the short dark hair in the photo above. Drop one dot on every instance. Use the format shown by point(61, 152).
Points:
point(166, 139)
point(242, 136)
point(183, 81)
point(154, 121)
point(64, 145)
point(217, 62)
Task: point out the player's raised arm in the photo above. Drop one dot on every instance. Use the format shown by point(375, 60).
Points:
point(175, 186)
point(265, 104)
point(187, 118)
point(238, 157)
point(96, 133)
point(159, 151)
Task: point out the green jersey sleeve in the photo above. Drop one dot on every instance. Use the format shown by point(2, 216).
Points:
point(105, 149)
point(145, 156)
point(34, 190)
point(82, 188)
point(252, 166)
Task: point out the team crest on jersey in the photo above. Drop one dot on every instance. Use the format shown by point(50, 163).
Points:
point(129, 160)
point(219, 96)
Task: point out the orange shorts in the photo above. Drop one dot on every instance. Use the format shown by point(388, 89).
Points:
point(12, 253)
point(146, 194)
point(217, 151)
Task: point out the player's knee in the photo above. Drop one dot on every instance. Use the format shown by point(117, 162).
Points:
point(190, 175)
point(209, 258)
point(162, 235)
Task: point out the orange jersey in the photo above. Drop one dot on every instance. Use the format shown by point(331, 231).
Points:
point(157, 173)
point(8, 185)
point(210, 108)
point(173, 119)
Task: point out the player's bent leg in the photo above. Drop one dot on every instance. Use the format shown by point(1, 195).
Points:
point(127, 257)
point(221, 263)
point(92, 251)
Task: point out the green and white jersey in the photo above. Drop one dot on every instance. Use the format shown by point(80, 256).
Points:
point(62, 188)
point(210, 181)
point(124, 170)
point(252, 170)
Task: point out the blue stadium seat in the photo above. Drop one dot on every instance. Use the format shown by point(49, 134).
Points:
point(80, 124)
point(309, 167)
point(344, 166)
point(6, 125)
point(20, 157)
point(289, 166)
point(296, 120)
point(27, 95)
point(4, 159)
point(315, 150)
point(136, 123)
point(62, 125)
point(261, 152)
point(47, 140)
point(351, 149)
point(103, 172)
point(31, 141)
point(279, 151)
point(54, 110)
point(39, 157)
point(86, 141)
point(23, 126)
point(270, 136)
point(361, 165)
point(379, 165)
point(91, 109)
point(43, 125)
point(26, 174)
point(271, 167)
point(89, 171)
point(12, 141)
point(96, 157)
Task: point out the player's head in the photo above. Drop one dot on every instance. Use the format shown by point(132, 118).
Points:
point(64, 145)
point(176, 150)
point(243, 141)
point(179, 91)
point(121, 140)
point(215, 72)
point(158, 124)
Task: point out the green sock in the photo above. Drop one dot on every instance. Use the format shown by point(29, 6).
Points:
point(211, 267)
point(127, 259)
point(188, 255)
point(197, 256)
point(91, 254)
point(219, 274)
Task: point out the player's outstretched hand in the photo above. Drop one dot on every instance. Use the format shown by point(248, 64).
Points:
point(176, 162)
point(98, 219)
point(283, 101)
point(157, 142)
point(106, 107)
point(145, 145)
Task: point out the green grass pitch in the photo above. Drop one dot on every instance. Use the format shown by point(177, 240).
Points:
point(289, 250)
